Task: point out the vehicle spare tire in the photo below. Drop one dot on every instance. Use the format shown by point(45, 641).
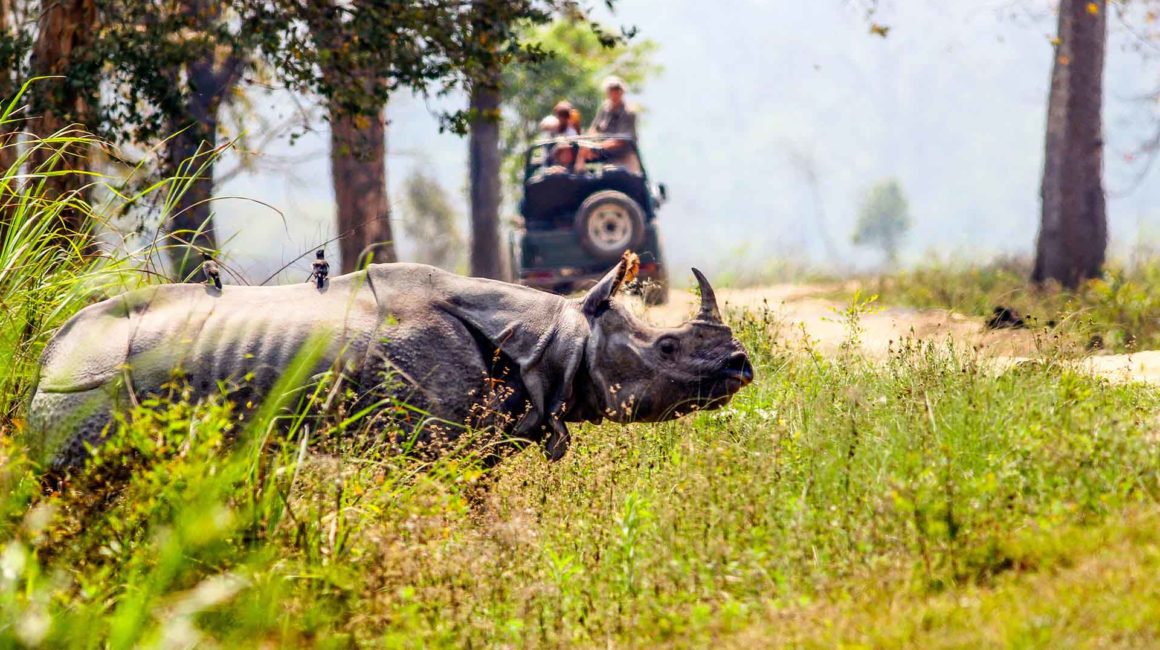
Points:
point(609, 223)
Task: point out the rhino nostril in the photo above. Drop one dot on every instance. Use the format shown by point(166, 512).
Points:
point(738, 367)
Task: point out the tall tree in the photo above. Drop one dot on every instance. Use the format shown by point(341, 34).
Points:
point(64, 50)
point(355, 53)
point(358, 169)
point(1073, 228)
point(493, 28)
point(356, 109)
point(484, 165)
point(883, 219)
point(517, 55)
point(169, 67)
point(210, 74)
point(579, 56)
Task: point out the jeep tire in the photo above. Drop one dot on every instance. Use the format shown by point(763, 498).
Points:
point(609, 223)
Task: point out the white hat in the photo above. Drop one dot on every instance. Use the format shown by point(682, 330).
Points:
point(550, 124)
point(612, 81)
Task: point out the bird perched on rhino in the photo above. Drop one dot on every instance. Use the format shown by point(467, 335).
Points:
point(210, 270)
point(319, 268)
point(392, 334)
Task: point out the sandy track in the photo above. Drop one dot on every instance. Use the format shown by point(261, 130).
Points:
point(801, 308)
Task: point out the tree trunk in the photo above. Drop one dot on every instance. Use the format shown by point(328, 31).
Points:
point(65, 33)
point(358, 167)
point(191, 153)
point(487, 260)
point(8, 147)
point(190, 158)
point(1073, 230)
point(358, 149)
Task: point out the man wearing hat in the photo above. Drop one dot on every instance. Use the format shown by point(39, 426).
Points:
point(614, 116)
point(563, 112)
point(563, 158)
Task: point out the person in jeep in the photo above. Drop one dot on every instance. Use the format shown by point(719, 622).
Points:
point(565, 124)
point(562, 159)
point(549, 126)
point(614, 116)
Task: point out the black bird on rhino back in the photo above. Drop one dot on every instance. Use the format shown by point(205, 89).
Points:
point(211, 271)
point(438, 341)
point(319, 268)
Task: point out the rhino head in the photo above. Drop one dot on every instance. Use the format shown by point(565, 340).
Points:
point(589, 359)
point(633, 372)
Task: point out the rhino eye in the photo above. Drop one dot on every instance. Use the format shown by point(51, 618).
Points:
point(668, 346)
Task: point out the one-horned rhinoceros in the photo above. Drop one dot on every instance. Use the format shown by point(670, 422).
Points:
point(442, 340)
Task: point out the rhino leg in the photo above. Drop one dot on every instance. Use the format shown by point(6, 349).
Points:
point(63, 426)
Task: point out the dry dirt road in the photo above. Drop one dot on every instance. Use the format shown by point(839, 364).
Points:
point(803, 309)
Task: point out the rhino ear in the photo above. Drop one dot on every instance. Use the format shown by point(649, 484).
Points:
point(599, 296)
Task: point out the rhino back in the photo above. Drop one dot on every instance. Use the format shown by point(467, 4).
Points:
point(145, 335)
point(247, 334)
point(139, 341)
point(89, 349)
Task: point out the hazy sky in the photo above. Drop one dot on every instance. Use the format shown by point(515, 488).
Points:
point(754, 92)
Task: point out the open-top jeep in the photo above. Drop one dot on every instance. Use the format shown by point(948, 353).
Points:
point(574, 223)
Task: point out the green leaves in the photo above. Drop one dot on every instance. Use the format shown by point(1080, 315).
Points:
point(354, 55)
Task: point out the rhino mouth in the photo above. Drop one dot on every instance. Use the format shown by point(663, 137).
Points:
point(737, 373)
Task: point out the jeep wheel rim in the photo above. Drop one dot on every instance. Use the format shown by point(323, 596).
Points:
point(610, 228)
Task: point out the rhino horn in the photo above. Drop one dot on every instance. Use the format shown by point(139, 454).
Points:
point(709, 311)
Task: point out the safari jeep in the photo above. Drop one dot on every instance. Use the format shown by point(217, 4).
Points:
point(573, 224)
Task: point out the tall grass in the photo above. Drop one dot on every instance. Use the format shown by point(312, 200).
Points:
point(40, 268)
point(52, 259)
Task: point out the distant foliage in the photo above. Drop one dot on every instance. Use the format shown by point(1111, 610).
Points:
point(884, 219)
point(430, 221)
